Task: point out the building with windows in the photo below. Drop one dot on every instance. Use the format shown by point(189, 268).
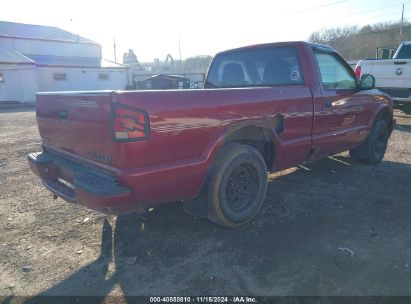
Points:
point(36, 58)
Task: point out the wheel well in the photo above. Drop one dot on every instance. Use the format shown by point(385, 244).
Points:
point(260, 138)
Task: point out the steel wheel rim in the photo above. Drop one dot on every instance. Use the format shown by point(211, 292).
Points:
point(242, 187)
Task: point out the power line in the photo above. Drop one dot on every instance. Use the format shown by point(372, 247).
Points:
point(380, 16)
point(368, 11)
point(373, 17)
point(315, 8)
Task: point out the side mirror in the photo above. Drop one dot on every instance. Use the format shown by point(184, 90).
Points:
point(367, 82)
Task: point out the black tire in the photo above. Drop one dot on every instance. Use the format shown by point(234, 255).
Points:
point(372, 150)
point(237, 184)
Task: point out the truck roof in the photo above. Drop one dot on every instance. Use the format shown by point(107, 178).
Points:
point(283, 43)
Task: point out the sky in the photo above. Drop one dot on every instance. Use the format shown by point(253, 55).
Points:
point(155, 28)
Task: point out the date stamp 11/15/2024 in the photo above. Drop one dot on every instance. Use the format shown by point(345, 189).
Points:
point(204, 299)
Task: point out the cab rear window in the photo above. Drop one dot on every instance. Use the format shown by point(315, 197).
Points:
point(270, 66)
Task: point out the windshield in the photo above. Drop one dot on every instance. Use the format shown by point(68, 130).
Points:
point(268, 66)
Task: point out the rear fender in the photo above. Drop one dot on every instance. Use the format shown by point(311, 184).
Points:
point(272, 128)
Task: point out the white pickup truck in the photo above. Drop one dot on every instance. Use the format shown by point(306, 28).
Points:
point(392, 76)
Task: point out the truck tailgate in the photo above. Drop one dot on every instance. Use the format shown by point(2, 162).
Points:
point(77, 122)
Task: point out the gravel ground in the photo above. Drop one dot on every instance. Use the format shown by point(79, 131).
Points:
point(333, 227)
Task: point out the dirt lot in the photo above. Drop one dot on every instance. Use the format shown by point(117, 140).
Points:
point(329, 228)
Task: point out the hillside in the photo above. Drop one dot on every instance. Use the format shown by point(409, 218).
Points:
point(356, 43)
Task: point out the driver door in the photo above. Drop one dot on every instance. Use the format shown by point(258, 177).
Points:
point(340, 106)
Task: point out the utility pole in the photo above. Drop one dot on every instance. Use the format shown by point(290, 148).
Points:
point(402, 22)
point(115, 52)
point(179, 50)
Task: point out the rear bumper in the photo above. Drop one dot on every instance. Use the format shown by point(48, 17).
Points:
point(82, 185)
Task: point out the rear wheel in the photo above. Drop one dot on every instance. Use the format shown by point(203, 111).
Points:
point(372, 150)
point(237, 184)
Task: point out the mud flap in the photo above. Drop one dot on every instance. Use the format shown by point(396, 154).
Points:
point(200, 205)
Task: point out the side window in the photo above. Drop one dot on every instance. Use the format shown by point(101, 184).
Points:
point(334, 74)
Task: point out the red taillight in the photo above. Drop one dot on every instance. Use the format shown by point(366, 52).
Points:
point(358, 70)
point(129, 124)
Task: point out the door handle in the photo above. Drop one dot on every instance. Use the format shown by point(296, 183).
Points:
point(328, 103)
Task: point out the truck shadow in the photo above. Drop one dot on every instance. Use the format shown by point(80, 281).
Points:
point(88, 285)
point(292, 248)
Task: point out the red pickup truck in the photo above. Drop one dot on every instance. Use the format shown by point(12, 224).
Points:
point(264, 108)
